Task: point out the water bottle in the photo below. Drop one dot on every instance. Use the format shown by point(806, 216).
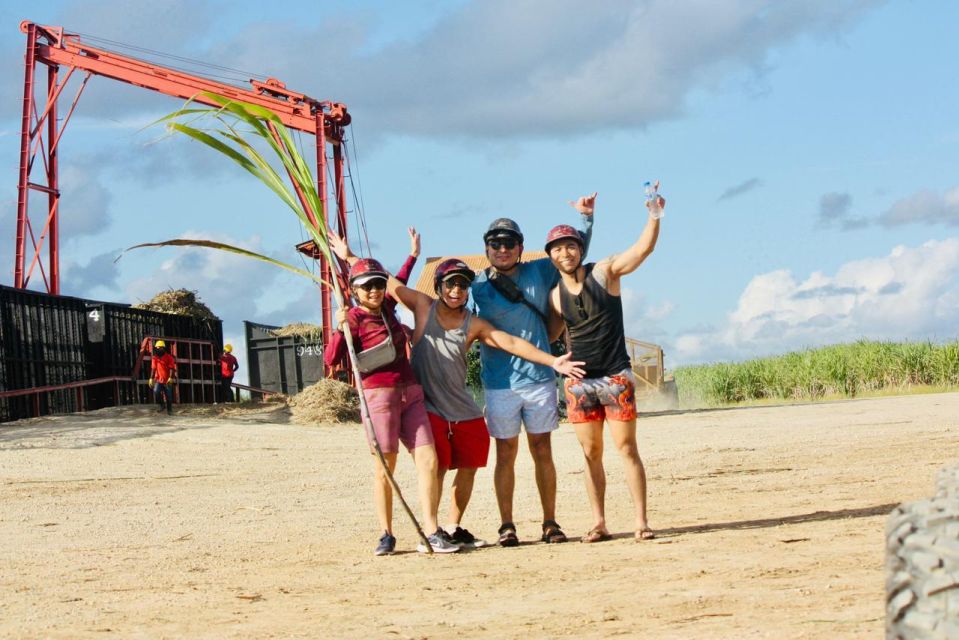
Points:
point(652, 199)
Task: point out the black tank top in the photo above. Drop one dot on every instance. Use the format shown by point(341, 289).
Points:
point(594, 319)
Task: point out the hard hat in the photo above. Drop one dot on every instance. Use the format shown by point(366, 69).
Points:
point(503, 228)
point(450, 268)
point(228, 348)
point(563, 232)
point(365, 270)
point(159, 343)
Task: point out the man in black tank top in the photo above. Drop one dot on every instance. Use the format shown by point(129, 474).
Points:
point(588, 299)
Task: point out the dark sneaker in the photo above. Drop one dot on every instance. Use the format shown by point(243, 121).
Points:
point(386, 546)
point(441, 543)
point(465, 539)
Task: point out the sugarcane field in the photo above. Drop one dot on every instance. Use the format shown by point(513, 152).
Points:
point(479, 319)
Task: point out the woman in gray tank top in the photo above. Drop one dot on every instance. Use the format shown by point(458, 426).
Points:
point(443, 332)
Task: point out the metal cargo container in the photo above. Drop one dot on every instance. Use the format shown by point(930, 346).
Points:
point(115, 332)
point(42, 339)
point(286, 364)
point(48, 340)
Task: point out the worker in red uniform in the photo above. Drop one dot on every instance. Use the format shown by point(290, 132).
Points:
point(228, 365)
point(162, 376)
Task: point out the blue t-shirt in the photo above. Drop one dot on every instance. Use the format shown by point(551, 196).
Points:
point(536, 279)
point(502, 370)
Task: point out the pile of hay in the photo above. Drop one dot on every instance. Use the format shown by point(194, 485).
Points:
point(305, 330)
point(178, 301)
point(326, 401)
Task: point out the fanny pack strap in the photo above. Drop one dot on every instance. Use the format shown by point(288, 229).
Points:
point(511, 291)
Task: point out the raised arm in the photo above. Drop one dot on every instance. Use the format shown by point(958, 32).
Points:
point(629, 260)
point(410, 298)
point(492, 337)
point(403, 275)
point(586, 205)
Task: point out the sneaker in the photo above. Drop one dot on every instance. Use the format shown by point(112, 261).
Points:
point(441, 543)
point(386, 546)
point(465, 539)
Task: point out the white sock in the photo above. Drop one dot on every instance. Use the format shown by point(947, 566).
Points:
point(451, 528)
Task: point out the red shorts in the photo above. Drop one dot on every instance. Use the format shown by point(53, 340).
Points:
point(463, 444)
point(595, 399)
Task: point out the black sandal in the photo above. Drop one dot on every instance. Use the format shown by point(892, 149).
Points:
point(552, 533)
point(507, 535)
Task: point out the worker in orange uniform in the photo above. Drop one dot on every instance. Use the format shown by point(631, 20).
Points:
point(228, 365)
point(162, 376)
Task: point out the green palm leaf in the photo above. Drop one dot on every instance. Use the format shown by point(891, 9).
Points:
point(211, 244)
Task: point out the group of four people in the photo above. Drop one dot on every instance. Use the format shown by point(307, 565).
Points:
point(423, 401)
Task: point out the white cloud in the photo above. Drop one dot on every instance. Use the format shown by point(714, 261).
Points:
point(642, 319)
point(924, 207)
point(912, 293)
point(505, 68)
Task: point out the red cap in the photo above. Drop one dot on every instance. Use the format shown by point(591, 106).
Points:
point(452, 267)
point(367, 269)
point(563, 232)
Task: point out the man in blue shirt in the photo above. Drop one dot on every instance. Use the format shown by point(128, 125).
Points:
point(519, 392)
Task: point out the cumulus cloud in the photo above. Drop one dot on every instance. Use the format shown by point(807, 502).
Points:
point(835, 211)
point(644, 319)
point(85, 201)
point(739, 189)
point(100, 272)
point(926, 207)
point(912, 293)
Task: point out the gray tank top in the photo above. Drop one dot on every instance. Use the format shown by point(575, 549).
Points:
point(439, 362)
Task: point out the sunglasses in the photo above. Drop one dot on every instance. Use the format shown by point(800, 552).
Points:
point(377, 284)
point(456, 283)
point(509, 244)
point(580, 309)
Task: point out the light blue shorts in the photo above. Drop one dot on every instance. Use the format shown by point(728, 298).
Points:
point(533, 405)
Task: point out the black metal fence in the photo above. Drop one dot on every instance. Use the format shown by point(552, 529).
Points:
point(48, 340)
point(285, 364)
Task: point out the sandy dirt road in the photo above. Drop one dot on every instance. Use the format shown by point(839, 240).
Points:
point(120, 524)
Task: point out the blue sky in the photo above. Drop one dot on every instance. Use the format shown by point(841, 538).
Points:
point(808, 151)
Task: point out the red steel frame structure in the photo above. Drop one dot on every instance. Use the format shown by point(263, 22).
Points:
point(40, 136)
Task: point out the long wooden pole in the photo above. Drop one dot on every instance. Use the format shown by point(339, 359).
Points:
point(364, 408)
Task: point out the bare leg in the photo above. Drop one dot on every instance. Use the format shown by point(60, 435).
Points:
point(624, 437)
point(462, 491)
point(504, 478)
point(383, 492)
point(440, 477)
point(541, 448)
point(426, 465)
point(590, 435)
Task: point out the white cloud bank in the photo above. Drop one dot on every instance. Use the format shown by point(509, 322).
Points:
point(501, 68)
point(912, 293)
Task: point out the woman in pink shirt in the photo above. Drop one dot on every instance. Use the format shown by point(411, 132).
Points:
point(395, 400)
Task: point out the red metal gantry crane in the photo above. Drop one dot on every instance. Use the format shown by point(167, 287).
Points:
point(40, 135)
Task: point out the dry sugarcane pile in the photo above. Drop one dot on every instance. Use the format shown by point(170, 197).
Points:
point(180, 302)
point(324, 402)
point(305, 330)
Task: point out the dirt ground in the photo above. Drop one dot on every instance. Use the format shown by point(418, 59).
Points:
point(121, 524)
